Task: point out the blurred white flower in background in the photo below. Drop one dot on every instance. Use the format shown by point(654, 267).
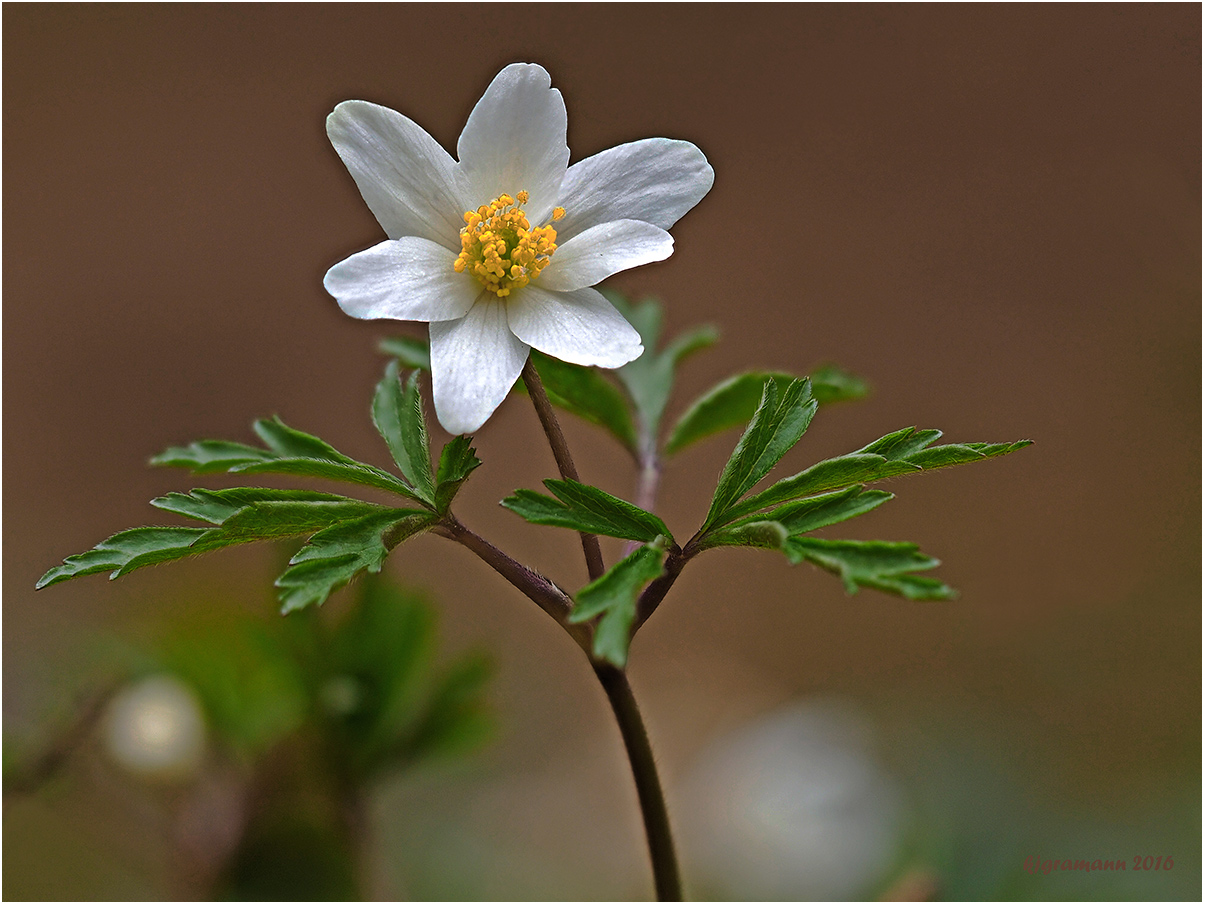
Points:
point(792, 807)
point(154, 728)
point(498, 251)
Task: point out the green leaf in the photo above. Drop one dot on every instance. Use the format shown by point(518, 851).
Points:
point(732, 402)
point(206, 456)
point(811, 513)
point(411, 352)
point(359, 473)
point(777, 425)
point(585, 392)
point(901, 443)
point(397, 412)
point(215, 506)
point(289, 443)
point(266, 520)
point(281, 518)
point(901, 452)
point(726, 405)
point(289, 452)
point(457, 718)
point(882, 565)
point(148, 544)
point(252, 690)
point(585, 508)
point(334, 556)
point(771, 530)
point(650, 378)
point(960, 453)
point(379, 660)
point(384, 699)
point(764, 533)
point(456, 462)
point(613, 596)
point(832, 384)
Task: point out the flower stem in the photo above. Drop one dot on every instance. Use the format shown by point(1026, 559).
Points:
point(564, 461)
point(646, 484)
point(651, 597)
point(551, 599)
point(666, 878)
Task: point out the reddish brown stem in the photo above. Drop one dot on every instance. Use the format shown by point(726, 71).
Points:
point(564, 460)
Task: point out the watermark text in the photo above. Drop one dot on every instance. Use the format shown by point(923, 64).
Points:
point(1037, 865)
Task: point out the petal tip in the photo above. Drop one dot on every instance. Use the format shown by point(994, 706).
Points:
point(528, 68)
point(344, 111)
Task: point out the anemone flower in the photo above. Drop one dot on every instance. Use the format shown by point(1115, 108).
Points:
point(498, 251)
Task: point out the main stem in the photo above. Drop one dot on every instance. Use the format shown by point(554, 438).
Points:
point(666, 879)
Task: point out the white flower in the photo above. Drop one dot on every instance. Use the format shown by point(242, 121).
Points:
point(499, 250)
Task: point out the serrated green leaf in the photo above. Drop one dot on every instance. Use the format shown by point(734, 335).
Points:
point(832, 384)
point(215, 506)
point(901, 444)
point(587, 509)
point(959, 453)
point(872, 463)
point(289, 452)
point(152, 544)
point(811, 513)
point(411, 352)
point(282, 518)
point(456, 462)
point(733, 402)
point(206, 456)
point(764, 533)
point(771, 529)
point(726, 405)
point(613, 596)
point(290, 443)
point(360, 473)
point(266, 520)
point(777, 425)
point(334, 556)
point(882, 565)
point(585, 392)
point(397, 412)
point(650, 378)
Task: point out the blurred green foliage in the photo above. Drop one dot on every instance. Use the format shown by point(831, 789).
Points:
point(304, 714)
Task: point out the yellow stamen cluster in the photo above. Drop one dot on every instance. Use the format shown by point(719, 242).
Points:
point(499, 247)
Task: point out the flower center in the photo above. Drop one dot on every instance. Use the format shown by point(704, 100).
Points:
point(499, 247)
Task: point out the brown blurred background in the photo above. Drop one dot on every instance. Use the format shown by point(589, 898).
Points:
point(992, 213)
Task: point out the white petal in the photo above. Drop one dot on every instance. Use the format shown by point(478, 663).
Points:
point(409, 279)
point(514, 141)
point(581, 326)
point(600, 251)
point(406, 178)
point(656, 180)
point(474, 363)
